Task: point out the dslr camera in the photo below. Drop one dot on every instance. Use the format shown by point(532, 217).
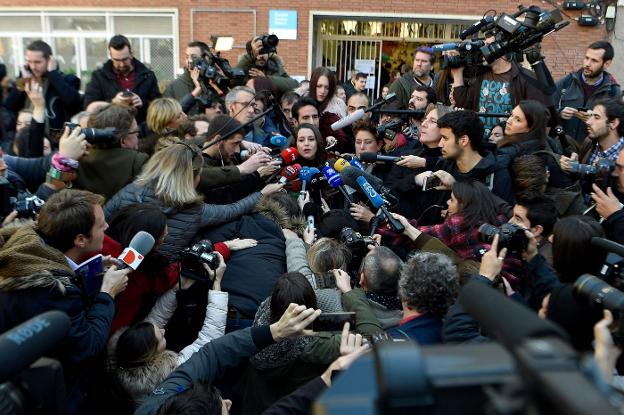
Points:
point(193, 259)
point(96, 136)
point(355, 242)
point(26, 204)
point(599, 173)
point(510, 236)
point(269, 44)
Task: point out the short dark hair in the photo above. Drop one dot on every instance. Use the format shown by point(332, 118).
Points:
point(40, 46)
point(606, 46)
point(382, 270)
point(431, 95)
point(361, 75)
point(65, 215)
point(303, 102)
point(428, 50)
point(118, 42)
point(291, 287)
point(614, 109)
point(134, 218)
point(429, 283)
point(464, 122)
point(223, 124)
point(199, 398)
point(529, 175)
point(289, 97)
point(201, 45)
point(113, 115)
point(541, 211)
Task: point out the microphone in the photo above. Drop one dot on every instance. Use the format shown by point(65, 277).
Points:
point(288, 155)
point(504, 319)
point(278, 140)
point(318, 181)
point(140, 245)
point(340, 164)
point(22, 345)
point(335, 181)
point(380, 204)
point(289, 173)
point(305, 175)
point(350, 175)
point(311, 212)
point(476, 27)
point(353, 161)
point(370, 157)
point(348, 120)
point(444, 47)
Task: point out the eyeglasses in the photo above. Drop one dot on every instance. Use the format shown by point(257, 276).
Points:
point(252, 104)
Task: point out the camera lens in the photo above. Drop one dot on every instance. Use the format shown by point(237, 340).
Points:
point(487, 233)
point(599, 292)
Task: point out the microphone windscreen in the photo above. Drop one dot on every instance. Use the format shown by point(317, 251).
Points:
point(278, 140)
point(348, 120)
point(340, 164)
point(142, 242)
point(368, 157)
point(370, 192)
point(333, 178)
point(289, 155)
point(22, 345)
point(502, 318)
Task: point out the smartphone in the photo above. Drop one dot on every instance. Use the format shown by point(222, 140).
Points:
point(127, 93)
point(333, 322)
point(582, 109)
point(431, 182)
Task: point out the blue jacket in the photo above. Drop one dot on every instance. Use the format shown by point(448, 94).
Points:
point(425, 329)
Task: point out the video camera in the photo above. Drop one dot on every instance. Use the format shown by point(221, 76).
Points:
point(218, 69)
point(390, 129)
point(192, 260)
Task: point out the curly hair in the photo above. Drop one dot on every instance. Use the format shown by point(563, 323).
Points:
point(429, 283)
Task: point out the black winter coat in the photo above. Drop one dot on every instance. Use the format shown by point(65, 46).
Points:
point(104, 86)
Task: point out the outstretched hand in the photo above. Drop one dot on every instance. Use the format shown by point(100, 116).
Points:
point(294, 322)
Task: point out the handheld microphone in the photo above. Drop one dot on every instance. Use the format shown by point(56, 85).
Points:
point(140, 245)
point(288, 155)
point(370, 157)
point(22, 345)
point(348, 120)
point(353, 161)
point(290, 173)
point(335, 181)
point(476, 27)
point(278, 140)
point(350, 175)
point(305, 175)
point(340, 164)
point(378, 202)
point(318, 181)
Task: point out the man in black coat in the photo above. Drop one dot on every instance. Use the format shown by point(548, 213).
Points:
point(123, 80)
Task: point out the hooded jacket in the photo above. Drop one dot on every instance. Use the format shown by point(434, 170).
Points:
point(184, 223)
point(251, 273)
point(570, 94)
point(274, 70)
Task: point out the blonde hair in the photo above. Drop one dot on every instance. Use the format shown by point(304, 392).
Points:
point(327, 254)
point(171, 171)
point(161, 112)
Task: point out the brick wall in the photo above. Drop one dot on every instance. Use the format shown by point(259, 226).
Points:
point(563, 50)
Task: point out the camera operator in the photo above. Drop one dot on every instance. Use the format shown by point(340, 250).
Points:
point(123, 80)
point(609, 203)
point(226, 153)
point(538, 215)
point(37, 274)
point(579, 91)
point(62, 99)
point(419, 75)
point(498, 89)
point(113, 162)
point(605, 137)
point(188, 83)
point(260, 62)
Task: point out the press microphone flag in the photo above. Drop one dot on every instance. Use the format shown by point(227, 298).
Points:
point(140, 245)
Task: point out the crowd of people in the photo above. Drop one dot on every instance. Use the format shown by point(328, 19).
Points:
point(261, 220)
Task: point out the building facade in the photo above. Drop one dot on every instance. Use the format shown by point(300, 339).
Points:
point(344, 36)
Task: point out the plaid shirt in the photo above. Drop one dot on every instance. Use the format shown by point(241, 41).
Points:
point(611, 153)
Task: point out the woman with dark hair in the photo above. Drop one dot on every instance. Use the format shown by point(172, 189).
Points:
point(323, 90)
point(311, 146)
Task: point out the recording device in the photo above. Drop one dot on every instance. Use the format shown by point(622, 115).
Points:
point(340, 164)
point(481, 25)
point(510, 236)
point(305, 175)
point(269, 44)
point(140, 245)
point(27, 387)
point(355, 242)
point(431, 182)
point(600, 293)
point(350, 175)
point(278, 140)
point(193, 258)
point(389, 130)
point(611, 270)
point(310, 211)
point(335, 181)
point(333, 322)
point(378, 202)
point(599, 173)
point(353, 161)
point(213, 67)
point(289, 173)
point(371, 157)
point(96, 136)
point(127, 93)
point(287, 156)
point(359, 114)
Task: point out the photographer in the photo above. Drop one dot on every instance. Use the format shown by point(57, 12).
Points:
point(188, 83)
point(260, 62)
point(114, 161)
point(37, 274)
point(538, 215)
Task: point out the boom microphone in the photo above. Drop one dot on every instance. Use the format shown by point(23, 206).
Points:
point(140, 245)
point(378, 202)
point(476, 27)
point(370, 157)
point(348, 120)
point(504, 319)
point(22, 345)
